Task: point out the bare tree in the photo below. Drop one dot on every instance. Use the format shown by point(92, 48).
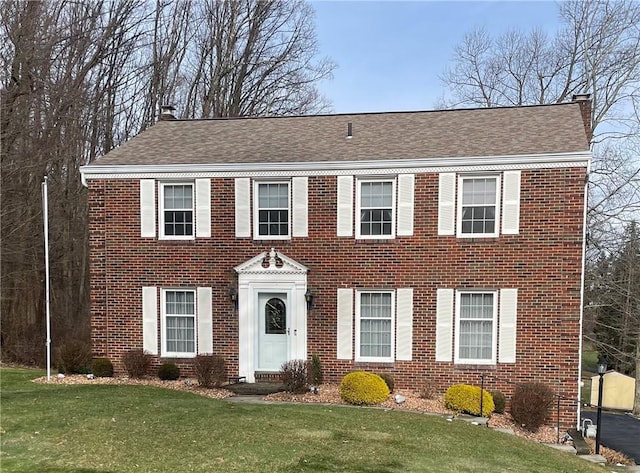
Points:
point(596, 51)
point(79, 78)
point(61, 64)
point(613, 290)
point(254, 57)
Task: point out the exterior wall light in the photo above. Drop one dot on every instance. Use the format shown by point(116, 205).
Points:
point(308, 296)
point(233, 295)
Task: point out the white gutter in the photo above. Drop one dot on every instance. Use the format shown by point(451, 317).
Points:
point(386, 166)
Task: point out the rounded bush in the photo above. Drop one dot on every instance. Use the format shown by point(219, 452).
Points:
point(466, 398)
point(388, 379)
point(137, 362)
point(531, 404)
point(362, 388)
point(499, 401)
point(73, 356)
point(294, 376)
point(102, 368)
point(168, 372)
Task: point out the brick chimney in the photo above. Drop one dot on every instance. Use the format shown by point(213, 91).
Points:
point(166, 112)
point(584, 100)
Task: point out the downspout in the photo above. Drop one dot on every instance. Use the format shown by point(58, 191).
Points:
point(582, 282)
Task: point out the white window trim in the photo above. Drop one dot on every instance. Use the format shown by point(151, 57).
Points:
point(359, 235)
point(375, 359)
point(256, 210)
point(163, 323)
point(161, 186)
point(494, 330)
point(461, 179)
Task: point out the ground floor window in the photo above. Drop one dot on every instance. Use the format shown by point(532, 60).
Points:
point(476, 327)
point(374, 315)
point(179, 316)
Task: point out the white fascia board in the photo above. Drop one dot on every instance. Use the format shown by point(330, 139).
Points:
point(372, 167)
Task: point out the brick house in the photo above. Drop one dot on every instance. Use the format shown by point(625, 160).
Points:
point(434, 246)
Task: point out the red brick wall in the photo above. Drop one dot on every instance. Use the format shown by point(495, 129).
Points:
point(543, 262)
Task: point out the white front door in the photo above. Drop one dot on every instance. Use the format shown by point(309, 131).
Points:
point(274, 322)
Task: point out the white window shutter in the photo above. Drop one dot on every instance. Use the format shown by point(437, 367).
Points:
point(205, 323)
point(150, 320)
point(300, 206)
point(511, 203)
point(444, 324)
point(243, 207)
point(446, 204)
point(406, 183)
point(203, 208)
point(345, 324)
point(404, 324)
point(345, 206)
point(147, 208)
point(507, 330)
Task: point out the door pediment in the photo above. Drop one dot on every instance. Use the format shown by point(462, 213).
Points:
point(271, 263)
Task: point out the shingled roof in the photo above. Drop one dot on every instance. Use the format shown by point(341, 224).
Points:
point(376, 136)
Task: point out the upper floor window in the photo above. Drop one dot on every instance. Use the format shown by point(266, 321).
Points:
point(176, 210)
point(374, 335)
point(272, 210)
point(478, 211)
point(476, 327)
point(179, 317)
point(376, 203)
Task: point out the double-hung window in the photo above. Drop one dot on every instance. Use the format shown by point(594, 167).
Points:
point(374, 334)
point(476, 327)
point(179, 320)
point(273, 210)
point(478, 200)
point(376, 204)
point(176, 213)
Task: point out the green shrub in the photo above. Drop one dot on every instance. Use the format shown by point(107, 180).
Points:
point(499, 401)
point(168, 371)
point(315, 371)
point(388, 379)
point(466, 398)
point(102, 368)
point(73, 356)
point(362, 388)
point(531, 404)
point(294, 376)
point(136, 362)
point(210, 370)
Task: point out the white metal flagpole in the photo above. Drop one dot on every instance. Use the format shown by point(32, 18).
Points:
point(45, 211)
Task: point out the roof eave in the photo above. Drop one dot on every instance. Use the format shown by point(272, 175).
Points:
point(127, 171)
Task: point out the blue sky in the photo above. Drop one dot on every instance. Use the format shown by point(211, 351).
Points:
point(390, 53)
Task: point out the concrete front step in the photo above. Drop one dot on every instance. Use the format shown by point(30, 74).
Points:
point(255, 389)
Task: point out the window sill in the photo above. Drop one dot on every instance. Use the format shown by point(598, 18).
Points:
point(373, 241)
point(478, 240)
point(475, 366)
point(185, 241)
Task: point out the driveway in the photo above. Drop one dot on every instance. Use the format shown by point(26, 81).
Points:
point(620, 432)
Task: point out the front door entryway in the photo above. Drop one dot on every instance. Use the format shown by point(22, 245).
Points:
point(273, 330)
point(272, 313)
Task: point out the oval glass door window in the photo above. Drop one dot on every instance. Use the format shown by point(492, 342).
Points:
point(275, 313)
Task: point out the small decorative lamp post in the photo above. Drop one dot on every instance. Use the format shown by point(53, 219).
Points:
point(602, 369)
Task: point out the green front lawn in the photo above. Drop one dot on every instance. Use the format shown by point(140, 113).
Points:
point(114, 428)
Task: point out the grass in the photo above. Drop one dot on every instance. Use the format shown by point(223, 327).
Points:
point(107, 428)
